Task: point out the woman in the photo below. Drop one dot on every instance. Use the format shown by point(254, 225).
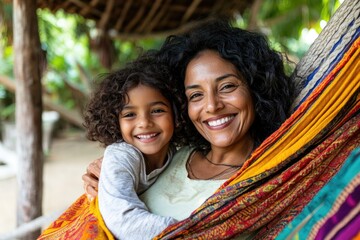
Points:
point(236, 95)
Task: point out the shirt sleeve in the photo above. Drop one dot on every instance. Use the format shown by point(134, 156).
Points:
point(126, 216)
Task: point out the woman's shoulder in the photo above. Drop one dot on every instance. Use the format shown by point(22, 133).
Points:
point(183, 153)
point(185, 150)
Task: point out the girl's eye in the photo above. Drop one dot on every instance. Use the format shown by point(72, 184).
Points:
point(127, 115)
point(158, 110)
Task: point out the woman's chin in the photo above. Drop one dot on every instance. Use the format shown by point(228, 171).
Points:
point(221, 143)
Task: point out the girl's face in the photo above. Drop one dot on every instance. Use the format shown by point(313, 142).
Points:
point(219, 102)
point(146, 121)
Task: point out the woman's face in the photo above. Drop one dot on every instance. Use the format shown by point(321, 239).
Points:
point(219, 102)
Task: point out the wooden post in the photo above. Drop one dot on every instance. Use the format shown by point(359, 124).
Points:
point(27, 58)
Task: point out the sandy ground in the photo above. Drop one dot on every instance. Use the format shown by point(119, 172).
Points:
point(69, 156)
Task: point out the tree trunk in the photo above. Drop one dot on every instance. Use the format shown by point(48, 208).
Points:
point(28, 112)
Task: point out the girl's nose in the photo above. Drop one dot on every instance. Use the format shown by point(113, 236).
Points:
point(145, 121)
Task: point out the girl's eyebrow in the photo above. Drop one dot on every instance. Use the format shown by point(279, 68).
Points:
point(151, 104)
point(218, 79)
point(127, 107)
point(158, 103)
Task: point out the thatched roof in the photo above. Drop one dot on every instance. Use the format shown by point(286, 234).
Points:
point(133, 18)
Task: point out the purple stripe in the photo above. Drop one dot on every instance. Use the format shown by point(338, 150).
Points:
point(352, 200)
point(350, 230)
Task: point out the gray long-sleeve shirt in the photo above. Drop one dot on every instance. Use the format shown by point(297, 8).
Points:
point(123, 177)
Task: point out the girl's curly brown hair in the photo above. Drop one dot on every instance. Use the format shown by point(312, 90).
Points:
point(102, 113)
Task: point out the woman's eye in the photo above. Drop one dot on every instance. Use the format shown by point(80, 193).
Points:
point(194, 96)
point(228, 87)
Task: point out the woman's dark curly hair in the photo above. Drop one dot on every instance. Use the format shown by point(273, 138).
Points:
point(102, 112)
point(261, 67)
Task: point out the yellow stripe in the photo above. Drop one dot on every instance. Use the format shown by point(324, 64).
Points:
point(104, 232)
point(324, 109)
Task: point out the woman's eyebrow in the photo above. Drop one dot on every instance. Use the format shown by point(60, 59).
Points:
point(226, 76)
point(192, 87)
point(218, 79)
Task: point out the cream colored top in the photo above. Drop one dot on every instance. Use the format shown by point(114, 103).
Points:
point(174, 194)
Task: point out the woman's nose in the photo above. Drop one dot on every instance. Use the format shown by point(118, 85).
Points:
point(213, 103)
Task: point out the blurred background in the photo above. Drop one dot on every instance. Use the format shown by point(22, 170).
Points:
point(80, 40)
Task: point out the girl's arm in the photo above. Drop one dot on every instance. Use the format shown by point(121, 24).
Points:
point(126, 216)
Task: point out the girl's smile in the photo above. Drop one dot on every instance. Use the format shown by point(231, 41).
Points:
point(146, 122)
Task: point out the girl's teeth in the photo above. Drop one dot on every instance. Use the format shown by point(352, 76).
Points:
point(220, 121)
point(146, 136)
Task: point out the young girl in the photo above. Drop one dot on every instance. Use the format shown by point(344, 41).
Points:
point(134, 114)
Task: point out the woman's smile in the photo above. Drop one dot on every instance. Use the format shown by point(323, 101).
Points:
point(219, 122)
point(220, 104)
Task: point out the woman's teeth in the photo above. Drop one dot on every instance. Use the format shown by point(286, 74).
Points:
point(220, 121)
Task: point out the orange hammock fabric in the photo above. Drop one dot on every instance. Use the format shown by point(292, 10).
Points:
point(276, 183)
point(82, 220)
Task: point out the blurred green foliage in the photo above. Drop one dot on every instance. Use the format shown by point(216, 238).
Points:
point(284, 21)
point(69, 41)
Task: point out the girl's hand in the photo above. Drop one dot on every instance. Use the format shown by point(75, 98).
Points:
point(91, 178)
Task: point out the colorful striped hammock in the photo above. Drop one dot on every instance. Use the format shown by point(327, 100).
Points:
point(271, 196)
point(334, 212)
